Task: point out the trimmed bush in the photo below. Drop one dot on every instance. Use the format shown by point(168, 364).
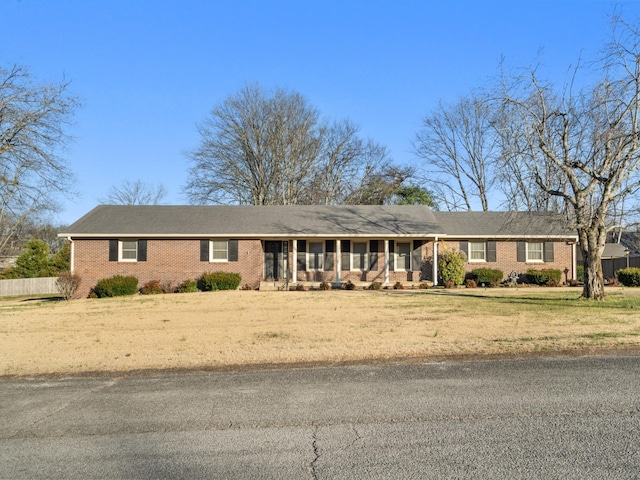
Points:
point(349, 285)
point(152, 287)
point(629, 277)
point(67, 284)
point(580, 273)
point(212, 281)
point(470, 283)
point(188, 286)
point(116, 286)
point(489, 276)
point(451, 266)
point(324, 286)
point(544, 276)
point(375, 286)
point(398, 286)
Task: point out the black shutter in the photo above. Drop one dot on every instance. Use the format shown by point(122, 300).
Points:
point(329, 254)
point(204, 250)
point(233, 250)
point(417, 255)
point(345, 248)
point(491, 251)
point(302, 255)
point(142, 250)
point(548, 252)
point(113, 250)
point(464, 248)
point(373, 255)
point(392, 256)
point(522, 252)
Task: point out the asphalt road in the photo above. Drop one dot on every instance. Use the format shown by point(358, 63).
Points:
point(546, 418)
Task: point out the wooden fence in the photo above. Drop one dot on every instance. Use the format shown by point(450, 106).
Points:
point(28, 286)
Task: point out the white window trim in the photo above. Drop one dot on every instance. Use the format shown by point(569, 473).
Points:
point(352, 253)
point(121, 250)
point(317, 269)
point(477, 260)
point(218, 260)
point(397, 257)
point(534, 260)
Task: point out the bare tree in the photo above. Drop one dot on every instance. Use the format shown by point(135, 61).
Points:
point(270, 148)
point(135, 193)
point(589, 140)
point(460, 148)
point(33, 118)
point(257, 148)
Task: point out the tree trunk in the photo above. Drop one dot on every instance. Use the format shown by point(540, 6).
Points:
point(593, 279)
point(592, 244)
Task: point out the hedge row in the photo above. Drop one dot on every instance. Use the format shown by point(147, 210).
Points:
point(629, 277)
point(120, 285)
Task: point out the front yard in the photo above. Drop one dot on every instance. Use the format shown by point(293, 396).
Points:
point(220, 330)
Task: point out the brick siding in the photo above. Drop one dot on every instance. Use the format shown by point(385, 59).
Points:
point(176, 260)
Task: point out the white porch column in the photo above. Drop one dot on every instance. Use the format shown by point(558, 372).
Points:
point(386, 261)
point(435, 261)
point(574, 260)
point(338, 262)
point(294, 261)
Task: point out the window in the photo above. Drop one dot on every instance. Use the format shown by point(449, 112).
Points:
point(477, 252)
point(128, 251)
point(359, 256)
point(314, 261)
point(535, 251)
point(219, 251)
point(403, 256)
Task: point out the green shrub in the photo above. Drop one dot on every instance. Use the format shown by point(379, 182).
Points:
point(629, 277)
point(152, 287)
point(451, 266)
point(188, 286)
point(349, 285)
point(325, 286)
point(375, 286)
point(580, 273)
point(489, 276)
point(219, 281)
point(544, 276)
point(116, 286)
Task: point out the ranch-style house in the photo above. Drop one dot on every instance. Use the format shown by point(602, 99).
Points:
point(282, 246)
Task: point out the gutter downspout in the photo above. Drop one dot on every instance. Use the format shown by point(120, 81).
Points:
point(71, 255)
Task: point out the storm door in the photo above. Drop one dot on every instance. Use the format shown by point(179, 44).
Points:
point(273, 259)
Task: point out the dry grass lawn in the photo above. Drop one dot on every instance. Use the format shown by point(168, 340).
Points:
point(240, 328)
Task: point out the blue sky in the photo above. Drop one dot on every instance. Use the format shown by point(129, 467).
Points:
point(148, 71)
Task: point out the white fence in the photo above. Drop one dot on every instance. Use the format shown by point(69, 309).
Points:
point(28, 286)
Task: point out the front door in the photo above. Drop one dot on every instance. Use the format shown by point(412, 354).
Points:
point(273, 259)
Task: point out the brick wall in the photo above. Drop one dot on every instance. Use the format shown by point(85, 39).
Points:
point(507, 260)
point(168, 260)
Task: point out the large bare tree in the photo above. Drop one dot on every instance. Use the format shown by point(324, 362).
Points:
point(584, 146)
point(270, 148)
point(460, 148)
point(33, 120)
point(257, 148)
point(135, 193)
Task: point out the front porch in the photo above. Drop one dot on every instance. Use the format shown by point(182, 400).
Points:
point(282, 285)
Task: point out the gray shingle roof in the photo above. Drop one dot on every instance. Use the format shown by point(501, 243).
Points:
point(311, 220)
point(503, 224)
point(255, 221)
